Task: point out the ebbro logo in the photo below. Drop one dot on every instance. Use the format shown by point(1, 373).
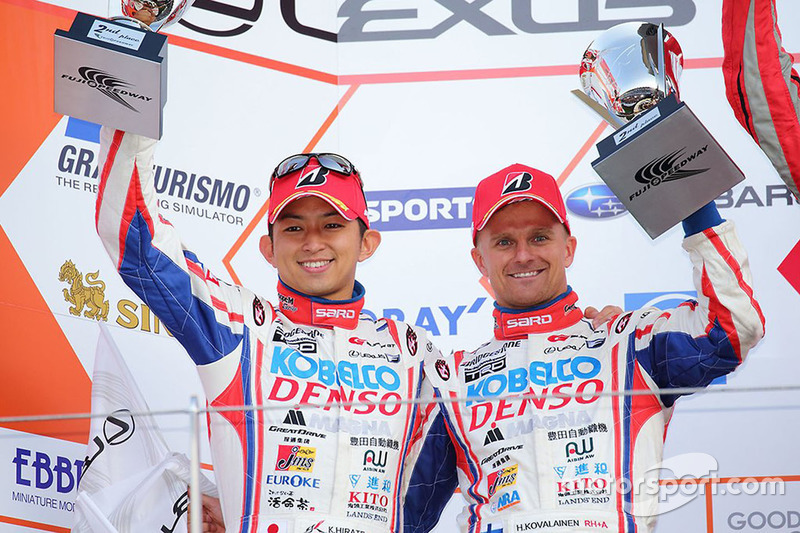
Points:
point(90, 296)
point(517, 182)
point(108, 84)
point(667, 168)
point(594, 201)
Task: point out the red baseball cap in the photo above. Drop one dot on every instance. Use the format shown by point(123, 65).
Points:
point(342, 191)
point(513, 184)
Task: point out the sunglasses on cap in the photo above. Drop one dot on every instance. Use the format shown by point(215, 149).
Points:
point(329, 161)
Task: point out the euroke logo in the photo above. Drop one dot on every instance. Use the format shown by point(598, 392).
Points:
point(108, 84)
point(668, 168)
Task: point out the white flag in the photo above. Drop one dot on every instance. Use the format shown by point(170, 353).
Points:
point(130, 481)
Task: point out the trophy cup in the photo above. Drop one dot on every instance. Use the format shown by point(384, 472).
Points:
point(114, 71)
point(661, 163)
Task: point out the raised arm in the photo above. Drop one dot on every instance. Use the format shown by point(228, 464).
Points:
point(203, 314)
point(698, 341)
point(762, 87)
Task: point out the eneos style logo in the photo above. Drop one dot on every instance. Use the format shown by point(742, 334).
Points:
point(295, 458)
point(499, 479)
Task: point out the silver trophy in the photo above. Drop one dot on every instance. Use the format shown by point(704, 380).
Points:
point(661, 162)
point(114, 71)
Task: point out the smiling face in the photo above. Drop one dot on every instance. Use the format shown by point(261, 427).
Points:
point(524, 251)
point(316, 250)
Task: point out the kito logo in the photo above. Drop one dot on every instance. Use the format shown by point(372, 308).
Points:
point(594, 201)
point(420, 209)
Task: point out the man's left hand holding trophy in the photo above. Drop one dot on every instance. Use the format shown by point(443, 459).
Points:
point(114, 71)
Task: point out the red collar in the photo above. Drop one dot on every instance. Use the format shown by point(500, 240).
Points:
point(308, 310)
point(559, 314)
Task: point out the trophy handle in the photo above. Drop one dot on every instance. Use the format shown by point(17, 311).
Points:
point(661, 80)
point(600, 110)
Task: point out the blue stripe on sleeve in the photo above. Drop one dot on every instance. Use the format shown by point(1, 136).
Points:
point(167, 291)
point(676, 359)
point(433, 480)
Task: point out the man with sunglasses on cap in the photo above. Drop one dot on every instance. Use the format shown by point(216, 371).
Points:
point(312, 464)
point(585, 460)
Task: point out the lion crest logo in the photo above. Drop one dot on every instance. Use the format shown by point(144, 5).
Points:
point(90, 296)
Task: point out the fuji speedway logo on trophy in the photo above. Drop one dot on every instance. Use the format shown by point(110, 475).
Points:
point(667, 168)
point(108, 84)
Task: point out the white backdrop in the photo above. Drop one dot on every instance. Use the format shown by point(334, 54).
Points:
point(426, 101)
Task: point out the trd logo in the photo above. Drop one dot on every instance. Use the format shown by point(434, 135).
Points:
point(484, 368)
point(517, 182)
point(360, 14)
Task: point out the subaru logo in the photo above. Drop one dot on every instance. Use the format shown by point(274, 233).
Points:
point(595, 201)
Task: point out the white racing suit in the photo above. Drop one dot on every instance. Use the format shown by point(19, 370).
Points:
point(312, 464)
point(547, 463)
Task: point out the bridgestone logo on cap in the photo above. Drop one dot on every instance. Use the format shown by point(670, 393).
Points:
point(517, 182)
point(315, 176)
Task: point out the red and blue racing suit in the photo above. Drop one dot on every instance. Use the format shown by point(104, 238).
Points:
point(307, 463)
point(528, 459)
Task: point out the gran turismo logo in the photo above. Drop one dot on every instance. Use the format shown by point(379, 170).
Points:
point(594, 201)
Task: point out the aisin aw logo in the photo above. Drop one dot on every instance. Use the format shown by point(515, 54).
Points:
point(667, 168)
